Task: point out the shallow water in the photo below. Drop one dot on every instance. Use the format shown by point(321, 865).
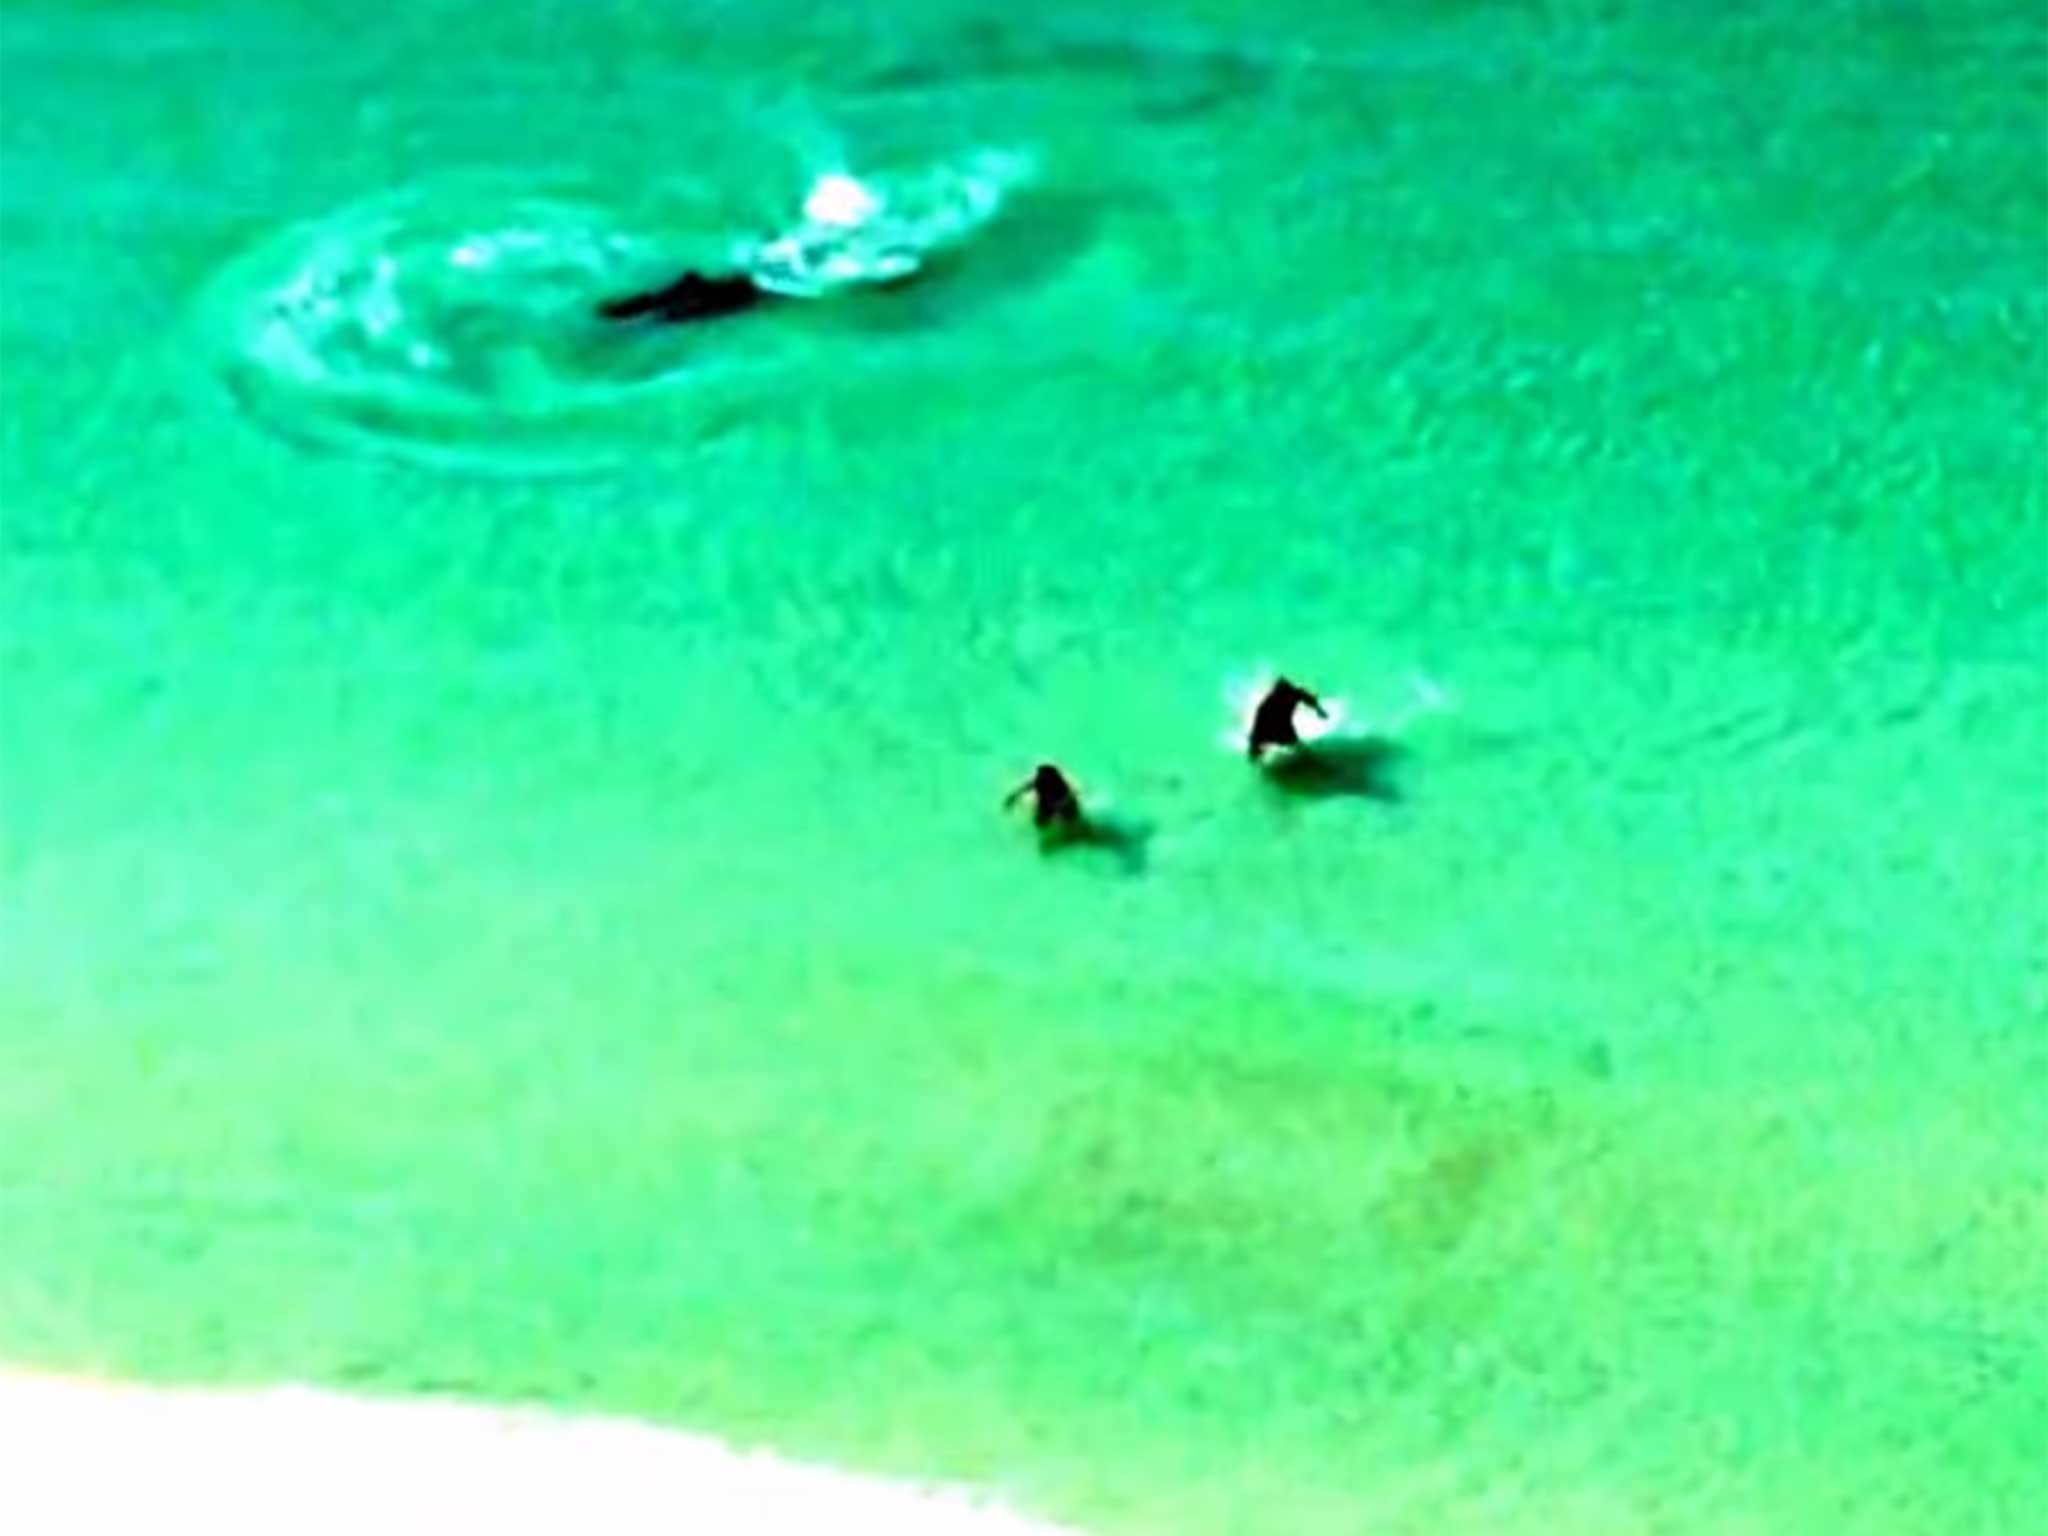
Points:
point(505, 886)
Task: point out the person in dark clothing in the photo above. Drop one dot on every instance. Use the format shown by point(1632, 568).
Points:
point(1273, 720)
point(1055, 807)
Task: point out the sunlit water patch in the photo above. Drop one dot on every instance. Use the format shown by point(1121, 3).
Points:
point(457, 324)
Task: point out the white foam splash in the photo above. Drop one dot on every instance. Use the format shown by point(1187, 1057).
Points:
point(860, 231)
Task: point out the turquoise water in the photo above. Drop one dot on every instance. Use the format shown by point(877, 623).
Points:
point(506, 892)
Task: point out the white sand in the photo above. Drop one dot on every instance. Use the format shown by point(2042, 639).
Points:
point(87, 1457)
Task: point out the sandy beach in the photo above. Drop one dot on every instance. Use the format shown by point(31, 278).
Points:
point(92, 1457)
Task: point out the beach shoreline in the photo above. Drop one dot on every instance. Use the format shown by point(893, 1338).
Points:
point(100, 1456)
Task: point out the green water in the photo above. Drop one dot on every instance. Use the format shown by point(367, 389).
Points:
point(526, 915)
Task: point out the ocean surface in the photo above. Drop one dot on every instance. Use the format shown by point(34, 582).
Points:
point(506, 890)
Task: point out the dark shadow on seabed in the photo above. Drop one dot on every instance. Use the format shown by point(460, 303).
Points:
point(1364, 767)
point(1121, 838)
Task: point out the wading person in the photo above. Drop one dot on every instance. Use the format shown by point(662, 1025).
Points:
point(1055, 807)
point(1273, 720)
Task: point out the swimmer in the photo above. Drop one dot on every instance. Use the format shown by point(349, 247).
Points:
point(1055, 808)
point(693, 296)
point(1273, 720)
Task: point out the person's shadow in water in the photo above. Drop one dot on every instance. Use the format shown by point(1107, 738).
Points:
point(1120, 839)
point(1362, 767)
